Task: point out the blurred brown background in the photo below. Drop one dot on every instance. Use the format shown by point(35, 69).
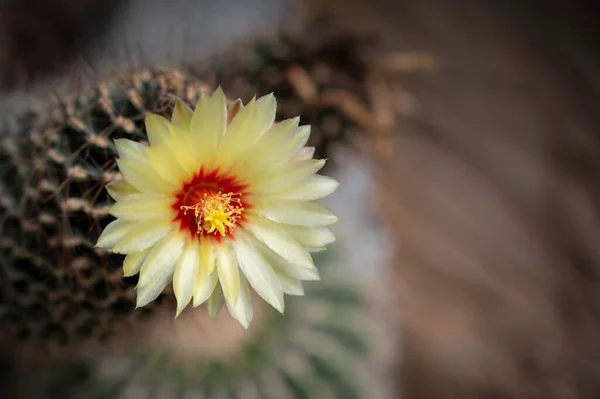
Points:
point(491, 190)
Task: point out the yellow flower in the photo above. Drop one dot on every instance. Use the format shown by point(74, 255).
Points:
point(221, 199)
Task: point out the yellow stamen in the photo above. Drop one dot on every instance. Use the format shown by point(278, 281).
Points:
point(216, 212)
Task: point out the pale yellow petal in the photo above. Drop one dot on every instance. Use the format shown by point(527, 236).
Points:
point(242, 311)
point(176, 147)
point(165, 164)
point(149, 292)
point(205, 286)
point(142, 235)
point(185, 275)
point(135, 167)
point(141, 175)
point(311, 237)
point(266, 107)
point(290, 285)
point(298, 143)
point(299, 213)
point(233, 109)
point(240, 135)
point(229, 275)
point(184, 152)
point(315, 188)
point(288, 175)
point(207, 256)
point(130, 149)
point(137, 207)
point(284, 142)
point(133, 262)
point(215, 302)
point(208, 123)
point(279, 241)
point(182, 115)
point(305, 153)
point(279, 136)
point(119, 188)
point(113, 232)
point(266, 153)
point(158, 129)
point(161, 259)
point(283, 266)
point(259, 273)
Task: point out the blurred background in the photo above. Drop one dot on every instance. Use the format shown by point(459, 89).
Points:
point(466, 137)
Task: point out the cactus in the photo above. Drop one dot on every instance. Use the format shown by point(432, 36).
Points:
point(59, 293)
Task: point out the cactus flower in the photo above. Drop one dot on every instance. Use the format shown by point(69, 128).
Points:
point(221, 199)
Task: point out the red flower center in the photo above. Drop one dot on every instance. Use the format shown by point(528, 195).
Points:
point(210, 204)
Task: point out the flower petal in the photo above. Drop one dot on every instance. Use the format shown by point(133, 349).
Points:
point(136, 207)
point(290, 285)
point(311, 237)
point(242, 311)
point(267, 150)
point(240, 134)
point(133, 262)
point(289, 175)
point(205, 286)
point(207, 256)
point(229, 274)
point(266, 106)
point(141, 175)
point(298, 143)
point(299, 213)
point(259, 273)
point(283, 266)
point(158, 129)
point(279, 241)
point(141, 236)
point(184, 277)
point(130, 149)
point(182, 115)
point(136, 169)
point(149, 292)
point(233, 109)
point(181, 148)
point(281, 144)
point(315, 188)
point(215, 302)
point(305, 153)
point(113, 232)
point(165, 164)
point(119, 188)
point(208, 123)
point(161, 259)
